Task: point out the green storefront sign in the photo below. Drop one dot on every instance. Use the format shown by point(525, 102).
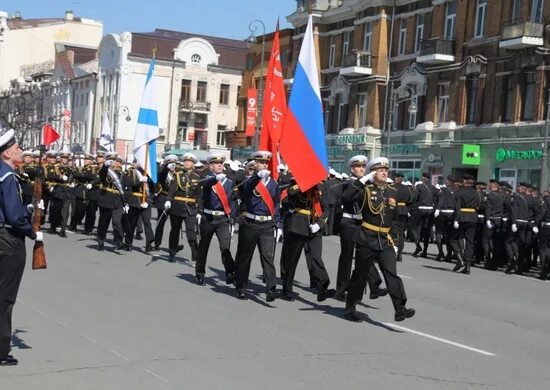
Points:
point(508, 154)
point(471, 154)
point(402, 149)
point(354, 139)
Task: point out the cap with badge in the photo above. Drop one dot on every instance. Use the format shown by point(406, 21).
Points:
point(261, 155)
point(189, 157)
point(378, 162)
point(357, 160)
point(7, 139)
point(332, 172)
point(170, 159)
point(215, 158)
point(398, 174)
point(110, 155)
point(524, 184)
point(27, 153)
point(51, 153)
point(36, 153)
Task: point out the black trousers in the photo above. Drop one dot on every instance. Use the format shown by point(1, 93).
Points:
point(488, 239)
point(78, 212)
point(329, 226)
point(444, 231)
point(347, 250)
point(290, 255)
point(364, 260)
point(159, 229)
point(468, 234)
point(421, 224)
point(190, 232)
point(132, 219)
point(12, 264)
point(252, 234)
point(105, 217)
point(398, 232)
point(220, 226)
point(544, 250)
point(91, 210)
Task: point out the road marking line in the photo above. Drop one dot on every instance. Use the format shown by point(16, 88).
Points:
point(88, 338)
point(119, 355)
point(405, 276)
point(156, 375)
point(62, 324)
point(429, 336)
point(38, 311)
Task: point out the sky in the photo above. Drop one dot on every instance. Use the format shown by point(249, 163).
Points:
point(223, 18)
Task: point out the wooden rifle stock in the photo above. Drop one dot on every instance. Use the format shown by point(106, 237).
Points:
point(38, 254)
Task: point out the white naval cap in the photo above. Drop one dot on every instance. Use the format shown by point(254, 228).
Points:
point(378, 162)
point(199, 164)
point(262, 155)
point(345, 175)
point(215, 158)
point(358, 159)
point(190, 156)
point(408, 183)
point(170, 158)
point(7, 139)
point(389, 180)
point(338, 176)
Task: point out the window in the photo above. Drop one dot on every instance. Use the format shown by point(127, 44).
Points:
point(201, 91)
point(182, 132)
point(419, 32)
point(443, 102)
point(536, 11)
point(332, 52)
point(224, 94)
point(220, 136)
point(413, 116)
point(345, 46)
point(196, 58)
point(472, 89)
point(362, 110)
point(508, 96)
point(480, 18)
point(528, 96)
point(402, 37)
point(450, 17)
point(185, 90)
point(367, 40)
point(516, 9)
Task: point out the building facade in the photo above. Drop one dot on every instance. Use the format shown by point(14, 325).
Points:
point(427, 79)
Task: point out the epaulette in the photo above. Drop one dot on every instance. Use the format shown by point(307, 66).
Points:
point(392, 187)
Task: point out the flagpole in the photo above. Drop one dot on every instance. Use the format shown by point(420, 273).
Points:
point(145, 170)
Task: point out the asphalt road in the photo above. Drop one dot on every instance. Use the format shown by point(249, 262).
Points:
point(107, 320)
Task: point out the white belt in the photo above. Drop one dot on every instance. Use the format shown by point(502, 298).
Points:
point(546, 224)
point(522, 220)
point(481, 216)
point(261, 218)
point(352, 216)
point(447, 211)
point(215, 213)
point(426, 207)
point(504, 219)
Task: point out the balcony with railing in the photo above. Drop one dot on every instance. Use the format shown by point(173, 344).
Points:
point(357, 63)
point(195, 106)
point(436, 51)
point(519, 34)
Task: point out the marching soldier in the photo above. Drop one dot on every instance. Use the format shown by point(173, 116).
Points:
point(165, 178)
point(373, 241)
point(535, 208)
point(15, 225)
point(421, 213)
point(182, 203)
point(468, 200)
point(218, 210)
point(444, 218)
point(139, 190)
point(494, 212)
point(333, 191)
point(91, 176)
point(110, 201)
point(404, 199)
point(302, 229)
point(521, 216)
point(81, 179)
point(262, 219)
point(350, 226)
point(542, 229)
point(59, 176)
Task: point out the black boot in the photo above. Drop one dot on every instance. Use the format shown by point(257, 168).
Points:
point(512, 266)
point(440, 257)
point(466, 269)
point(100, 245)
point(417, 250)
point(148, 248)
point(172, 256)
point(459, 264)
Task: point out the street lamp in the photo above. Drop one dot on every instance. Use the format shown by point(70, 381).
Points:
point(394, 105)
point(253, 27)
point(124, 110)
point(544, 160)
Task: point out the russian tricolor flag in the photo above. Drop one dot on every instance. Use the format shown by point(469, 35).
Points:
point(147, 129)
point(302, 143)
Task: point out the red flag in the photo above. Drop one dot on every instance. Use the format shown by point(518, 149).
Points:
point(252, 103)
point(49, 134)
point(274, 108)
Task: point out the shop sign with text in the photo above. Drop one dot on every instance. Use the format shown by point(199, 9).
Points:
point(511, 154)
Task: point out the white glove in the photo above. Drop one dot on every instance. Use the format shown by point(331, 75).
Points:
point(144, 179)
point(489, 224)
point(30, 208)
point(199, 218)
point(220, 176)
point(314, 228)
point(25, 174)
point(144, 205)
point(40, 204)
point(51, 189)
point(396, 249)
point(167, 205)
point(171, 166)
point(88, 186)
point(126, 208)
point(514, 228)
point(278, 235)
point(39, 236)
point(264, 173)
point(72, 185)
point(108, 163)
point(232, 229)
point(535, 230)
point(456, 225)
point(409, 215)
point(64, 177)
point(436, 213)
